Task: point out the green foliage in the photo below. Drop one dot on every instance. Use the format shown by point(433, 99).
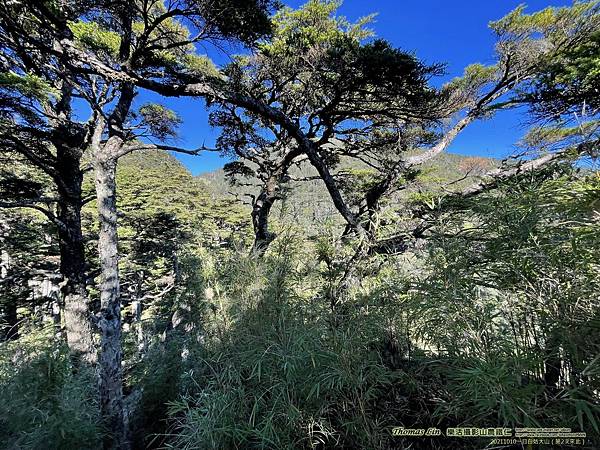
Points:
point(312, 25)
point(159, 380)
point(153, 182)
point(512, 286)
point(551, 21)
point(28, 85)
point(271, 354)
point(170, 40)
point(493, 321)
point(356, 181)
point(556, 48)
point(94, 37)
point(295, 364)
point(316, 55)
point(245, 20)
point(236, 169)
point(583, 64)
point(200, 65)
point(548, 138)
point(495, 392)
point(45, 405)
point(572, 81)
point(279, 378)
point(160, 121)
point(464, 89)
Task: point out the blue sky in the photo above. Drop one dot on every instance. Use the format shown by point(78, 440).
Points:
point(453, 32)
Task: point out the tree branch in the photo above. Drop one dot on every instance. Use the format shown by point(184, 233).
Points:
point(55, 220)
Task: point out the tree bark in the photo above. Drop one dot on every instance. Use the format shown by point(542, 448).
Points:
point(269, 194)
point(105, 161)
point(78, 326)
point(260, 217)
point(111, 373)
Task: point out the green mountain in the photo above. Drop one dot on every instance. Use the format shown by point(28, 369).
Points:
point(308, 202)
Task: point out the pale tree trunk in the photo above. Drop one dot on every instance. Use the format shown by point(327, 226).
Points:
point(136, 309)
point(105, 162)
point(111, 373)
point(105, 165)
point(70, 141)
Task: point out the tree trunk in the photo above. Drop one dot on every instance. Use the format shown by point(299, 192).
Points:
point(78, 326)
point(111, 373)
point(260, 218)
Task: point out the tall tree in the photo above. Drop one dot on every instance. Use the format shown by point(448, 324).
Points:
point(324, 92)
point(38, 123)
point(525, 44)
point(315, 96)
point(144, 37)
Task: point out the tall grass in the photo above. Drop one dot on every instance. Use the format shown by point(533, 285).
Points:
point(45, 404)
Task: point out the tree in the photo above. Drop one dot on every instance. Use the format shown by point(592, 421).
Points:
point(155, 42)
point(570, 83)
point(27, 262)
point(37, 123)
point(167, 221)
point(334, 93)
point(309, 335)
point(523, 241)
point(524, 43)
point(144, 37)
point(279, 84)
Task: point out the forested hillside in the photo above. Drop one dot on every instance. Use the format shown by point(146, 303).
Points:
point(305, 201)
point(344, 281)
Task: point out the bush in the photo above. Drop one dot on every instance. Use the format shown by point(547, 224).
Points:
point(282, 378)
point(44, 403)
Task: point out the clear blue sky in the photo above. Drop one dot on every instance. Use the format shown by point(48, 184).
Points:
point(453, 32)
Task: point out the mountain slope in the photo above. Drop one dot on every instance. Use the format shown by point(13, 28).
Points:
point(308, 202)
